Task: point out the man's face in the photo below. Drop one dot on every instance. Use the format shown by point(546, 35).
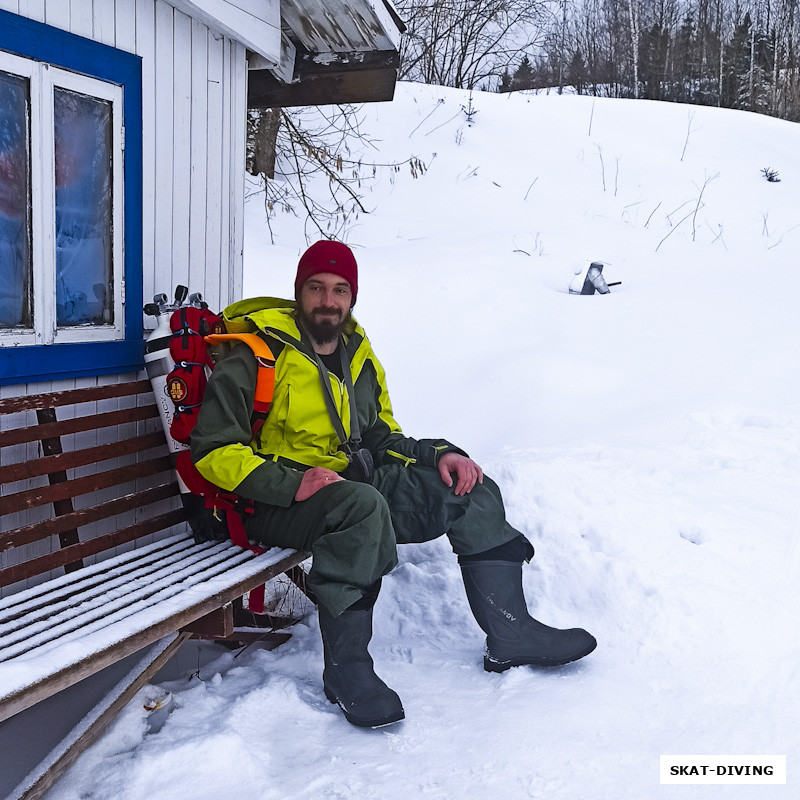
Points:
point(324, 306)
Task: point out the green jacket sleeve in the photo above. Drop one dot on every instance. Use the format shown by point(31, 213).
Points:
point(220, 443)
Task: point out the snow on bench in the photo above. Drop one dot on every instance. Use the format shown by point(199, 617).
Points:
point(79, 625)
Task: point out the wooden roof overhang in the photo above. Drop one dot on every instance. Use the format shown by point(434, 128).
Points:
point(310, 52)
point(332, 51)
point(350, 77)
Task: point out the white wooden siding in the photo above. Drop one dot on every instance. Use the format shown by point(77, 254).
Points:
point(255, 23)
point(194, 83)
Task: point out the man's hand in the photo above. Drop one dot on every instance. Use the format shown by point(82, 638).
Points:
point(467, 472)
point(313, 480)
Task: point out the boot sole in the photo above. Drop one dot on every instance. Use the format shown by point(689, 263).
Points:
point(490, 665)
point(381, 722)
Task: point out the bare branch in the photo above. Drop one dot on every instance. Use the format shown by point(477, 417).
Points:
point(316, 175)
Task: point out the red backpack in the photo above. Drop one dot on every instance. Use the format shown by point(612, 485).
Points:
point(213, 513)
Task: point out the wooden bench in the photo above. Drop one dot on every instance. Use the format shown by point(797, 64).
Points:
point(96, 561)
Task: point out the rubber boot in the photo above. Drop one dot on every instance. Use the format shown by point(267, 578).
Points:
point(349, 679)
point(513, 637)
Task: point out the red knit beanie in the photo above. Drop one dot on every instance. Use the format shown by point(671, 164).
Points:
point(327, 256)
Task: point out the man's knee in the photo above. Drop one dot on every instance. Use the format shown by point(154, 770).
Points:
point(360, 511)
point(483, 525)
point(492, 488)
point(358, 499)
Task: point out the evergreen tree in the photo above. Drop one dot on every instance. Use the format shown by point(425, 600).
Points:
point(736, 72)
point(577, 73)
point(523, 76)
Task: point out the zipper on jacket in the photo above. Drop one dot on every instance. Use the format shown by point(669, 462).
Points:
point(407, 460)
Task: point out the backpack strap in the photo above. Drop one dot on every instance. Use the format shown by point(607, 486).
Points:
point(265, 379)
point(265, 389)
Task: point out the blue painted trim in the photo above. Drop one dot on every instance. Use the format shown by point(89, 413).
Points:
point(41, 42)
point(57, 361)
point(32, 39)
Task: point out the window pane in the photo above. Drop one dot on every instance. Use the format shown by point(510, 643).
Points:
point(16, 296)
point(83, 160)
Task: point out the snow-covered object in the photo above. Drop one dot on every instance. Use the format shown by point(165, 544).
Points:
point(589, 279)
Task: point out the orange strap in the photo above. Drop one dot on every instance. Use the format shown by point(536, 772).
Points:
point(265, 381)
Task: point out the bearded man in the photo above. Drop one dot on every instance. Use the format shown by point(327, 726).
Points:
point(330, 472)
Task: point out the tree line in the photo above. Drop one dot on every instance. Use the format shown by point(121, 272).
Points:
point(712, 52)
point(731, 53)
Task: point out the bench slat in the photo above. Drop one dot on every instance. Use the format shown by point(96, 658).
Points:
point(69, 397)
point(77, 552)
point(145, 588)
point(94, 589)
point(56, 589)
point(80, 458)
point(90, 422)
point(30, 498)
point(28, 534)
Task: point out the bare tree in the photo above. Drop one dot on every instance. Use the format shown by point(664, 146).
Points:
point(467, 43)
point(562, 52)
point(634, 18)
point(304, 157)
point(731, 53)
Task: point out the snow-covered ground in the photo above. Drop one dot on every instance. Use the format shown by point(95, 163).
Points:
point(646, 441)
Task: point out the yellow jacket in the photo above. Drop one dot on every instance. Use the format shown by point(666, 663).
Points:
point(298, 432)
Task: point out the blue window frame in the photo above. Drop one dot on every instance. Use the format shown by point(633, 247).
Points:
point(70, 237)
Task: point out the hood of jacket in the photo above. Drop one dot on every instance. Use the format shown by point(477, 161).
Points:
point(275, 316)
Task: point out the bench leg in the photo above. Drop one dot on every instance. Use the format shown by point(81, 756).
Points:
point(89, 729)
point(299, 577)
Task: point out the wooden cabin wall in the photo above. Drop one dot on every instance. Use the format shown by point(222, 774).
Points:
point(194, 122)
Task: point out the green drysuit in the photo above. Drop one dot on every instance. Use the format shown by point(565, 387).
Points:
point(350, 528)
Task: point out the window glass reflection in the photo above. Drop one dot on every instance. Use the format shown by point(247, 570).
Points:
point(16, 302)
point(84, 234)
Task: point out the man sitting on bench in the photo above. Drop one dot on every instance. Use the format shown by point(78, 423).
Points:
point(331, 473)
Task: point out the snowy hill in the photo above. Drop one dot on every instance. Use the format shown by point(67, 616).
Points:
point(646, 441)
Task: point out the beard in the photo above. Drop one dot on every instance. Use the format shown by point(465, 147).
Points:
point(321, 328)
